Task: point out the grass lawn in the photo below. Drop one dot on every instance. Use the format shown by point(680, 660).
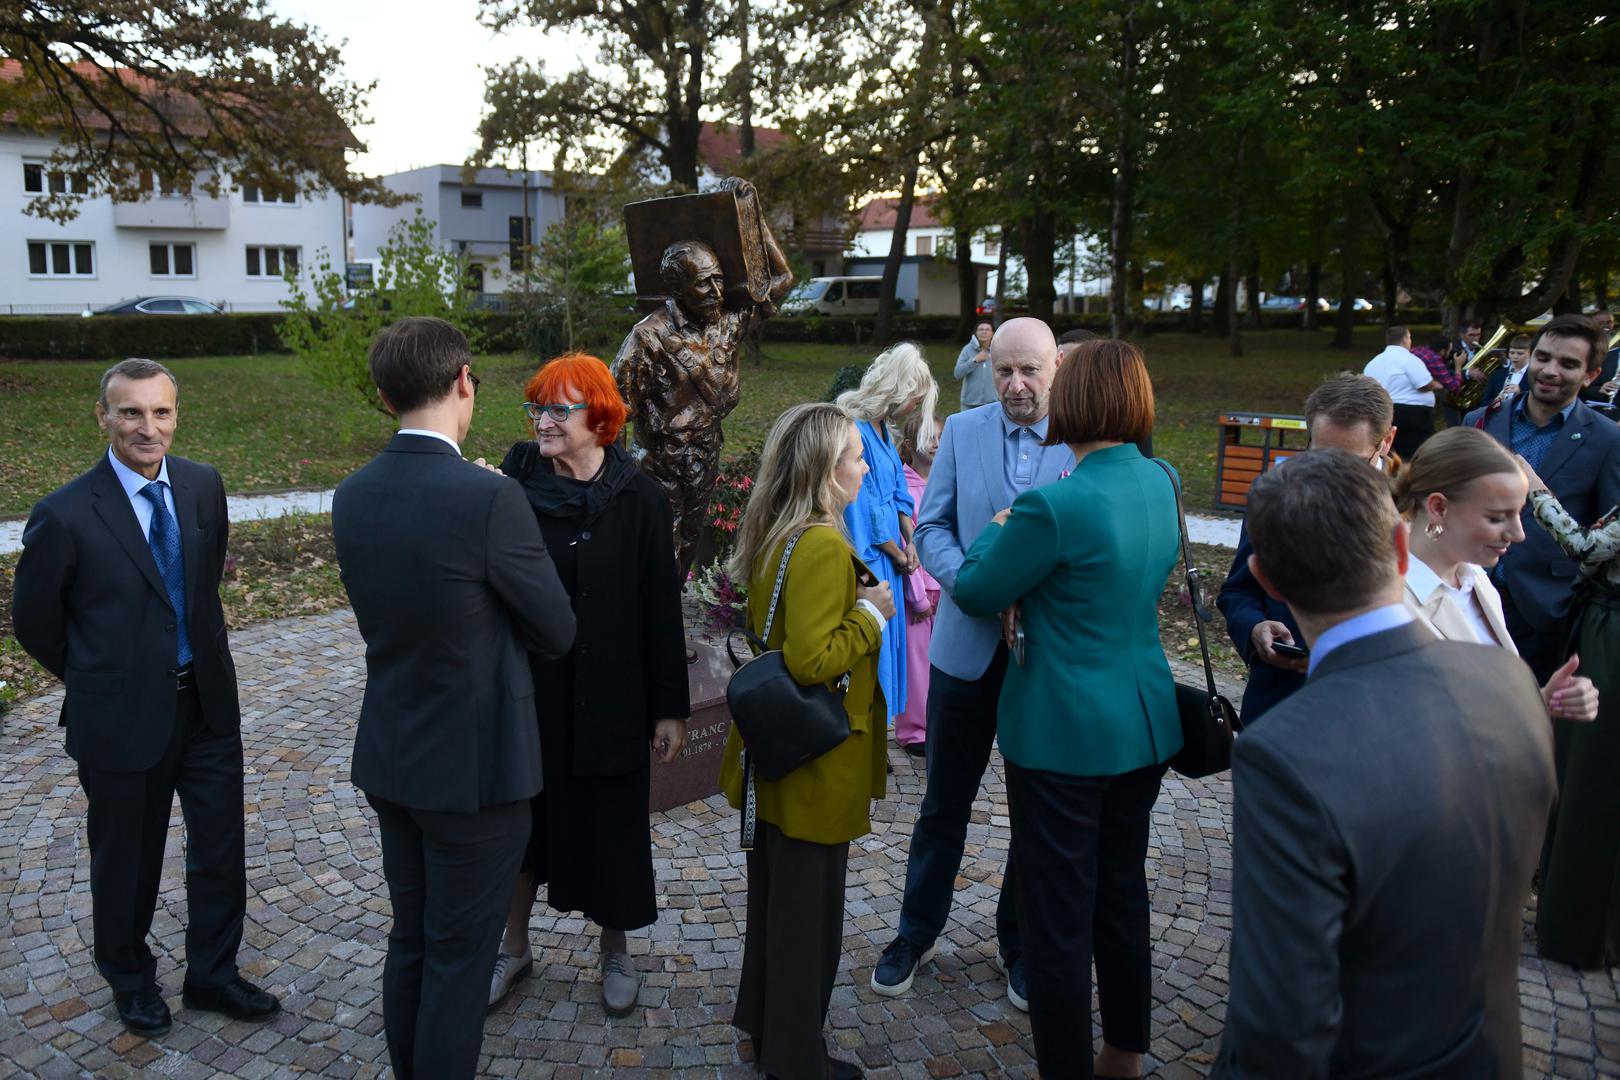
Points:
point(267, 426)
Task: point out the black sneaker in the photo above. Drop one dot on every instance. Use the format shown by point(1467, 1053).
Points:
point(898, 966)
point(1017, 988)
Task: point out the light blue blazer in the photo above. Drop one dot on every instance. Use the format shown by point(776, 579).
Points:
point(966, 488)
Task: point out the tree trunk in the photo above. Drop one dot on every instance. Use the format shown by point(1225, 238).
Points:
point(883, 328)
point(1040, 235)
point(745, 68)
point(1391, 292)
point(967, 283)
point(1344, 324)
point(1234, 336)
point(1195, 306)
point(1119, 293)
point(1313, 293)
point(1570, 302)
point(1600, 286)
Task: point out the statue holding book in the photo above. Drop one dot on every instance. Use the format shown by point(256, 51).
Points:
point(708, 271)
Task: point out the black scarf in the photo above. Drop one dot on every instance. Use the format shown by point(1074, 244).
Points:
point(563, 497)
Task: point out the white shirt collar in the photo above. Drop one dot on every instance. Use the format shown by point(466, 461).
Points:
point(1423, 581)
point(441, 436)
point(133, 481)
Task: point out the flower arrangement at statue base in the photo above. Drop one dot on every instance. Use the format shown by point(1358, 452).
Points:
point(722, 602)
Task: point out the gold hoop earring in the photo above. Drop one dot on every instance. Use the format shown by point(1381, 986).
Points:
point(1434, 530)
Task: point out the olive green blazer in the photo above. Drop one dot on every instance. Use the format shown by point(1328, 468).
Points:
point(822, 634)
point(1087, 557)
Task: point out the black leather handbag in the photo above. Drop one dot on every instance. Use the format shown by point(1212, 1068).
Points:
point(783, 723)
point(1209, 724)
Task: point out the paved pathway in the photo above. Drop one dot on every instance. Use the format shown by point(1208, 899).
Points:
point(318, 917)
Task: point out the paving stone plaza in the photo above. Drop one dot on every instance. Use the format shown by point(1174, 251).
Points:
point(318, 918)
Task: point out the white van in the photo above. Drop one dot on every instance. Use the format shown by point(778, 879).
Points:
point(834, 296)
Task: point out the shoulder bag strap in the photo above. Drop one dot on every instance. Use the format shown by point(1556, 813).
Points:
point(750, 799)
point(1201, 614)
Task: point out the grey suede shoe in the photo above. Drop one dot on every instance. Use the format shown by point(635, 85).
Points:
point(508, 970)
point(620, 983)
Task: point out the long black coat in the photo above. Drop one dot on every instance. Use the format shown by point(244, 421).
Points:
point(628, 667)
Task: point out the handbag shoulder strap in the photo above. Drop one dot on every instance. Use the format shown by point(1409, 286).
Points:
point(776, 590)
point(1201, 614)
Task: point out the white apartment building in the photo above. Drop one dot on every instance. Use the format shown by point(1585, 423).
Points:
point(481, 218)
point(229, 250)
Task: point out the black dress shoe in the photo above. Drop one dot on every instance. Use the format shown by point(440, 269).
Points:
point(144, 1012)
point(843, 1070)
point(238, 999)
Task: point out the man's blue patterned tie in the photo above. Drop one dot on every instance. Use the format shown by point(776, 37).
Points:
point(165, 541)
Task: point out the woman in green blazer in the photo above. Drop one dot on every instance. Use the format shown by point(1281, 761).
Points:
point(826, 625)
point(1088, 720)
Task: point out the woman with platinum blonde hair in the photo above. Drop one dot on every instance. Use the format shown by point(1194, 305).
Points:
point(827, 625)
point(881, 519)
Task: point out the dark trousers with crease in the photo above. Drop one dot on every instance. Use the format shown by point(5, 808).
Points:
point(449, 879)
point(790, 955)
point(128, 826)
point(1082, 842)
point(961, 731)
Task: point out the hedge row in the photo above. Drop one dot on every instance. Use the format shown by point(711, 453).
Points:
point(107, 337)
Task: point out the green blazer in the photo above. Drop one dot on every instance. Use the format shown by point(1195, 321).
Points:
point(1088, 558)
point(822, 634)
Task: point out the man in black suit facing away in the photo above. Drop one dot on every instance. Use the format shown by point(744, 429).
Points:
point(117, 594)
point(452, 587)
point(1386, 816)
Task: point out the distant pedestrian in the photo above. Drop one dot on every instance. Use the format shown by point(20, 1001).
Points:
point(973, 367)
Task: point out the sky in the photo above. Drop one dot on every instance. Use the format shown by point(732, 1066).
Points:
point(427, 57)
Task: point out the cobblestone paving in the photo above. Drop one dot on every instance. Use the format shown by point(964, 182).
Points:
point(318, 918)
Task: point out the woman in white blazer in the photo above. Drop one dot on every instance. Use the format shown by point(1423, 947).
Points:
point(1463, 494)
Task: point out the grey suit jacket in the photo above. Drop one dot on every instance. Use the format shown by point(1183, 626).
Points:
point(1582, 468)
point(966, 488)
point(1387, 818)
point(452, 587)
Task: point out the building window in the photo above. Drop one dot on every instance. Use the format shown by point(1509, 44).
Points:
point(992, 247)
point(925, 245)
point(255, 193)
point(472, 200)
point(271, 261)
point(36, 179)
point(61, 258)
point(173, 260)
point(163, 186)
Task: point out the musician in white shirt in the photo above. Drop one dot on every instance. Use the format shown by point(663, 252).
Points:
point(1462, 494)
point(1411, 387)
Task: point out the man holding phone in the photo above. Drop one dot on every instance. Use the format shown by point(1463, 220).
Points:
point(1352, 413)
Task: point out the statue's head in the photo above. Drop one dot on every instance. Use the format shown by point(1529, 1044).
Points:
point(691, 274)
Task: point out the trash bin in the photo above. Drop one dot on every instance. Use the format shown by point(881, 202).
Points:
point(1251, 443)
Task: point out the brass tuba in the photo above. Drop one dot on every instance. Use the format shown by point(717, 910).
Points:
point(1487, 359)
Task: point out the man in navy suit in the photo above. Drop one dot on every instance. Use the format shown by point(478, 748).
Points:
point(1604, 388)
point(117, 595)
point(1351, 413)
point(987, 457)
point(1577, 452)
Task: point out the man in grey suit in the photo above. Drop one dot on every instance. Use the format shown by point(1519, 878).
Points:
point(1387, 816)
point(452, 587)
point(987, 457)
point(1577, 452)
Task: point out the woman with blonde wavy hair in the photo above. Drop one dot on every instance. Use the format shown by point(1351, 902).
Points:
point(827, 625)
point(881, 519)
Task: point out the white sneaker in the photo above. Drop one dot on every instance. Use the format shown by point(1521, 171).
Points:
point(508, 970)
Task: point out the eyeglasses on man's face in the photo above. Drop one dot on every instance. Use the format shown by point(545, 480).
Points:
point(558, 411)
point(475, 380)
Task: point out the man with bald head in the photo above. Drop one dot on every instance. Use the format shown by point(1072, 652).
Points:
point(987, 457)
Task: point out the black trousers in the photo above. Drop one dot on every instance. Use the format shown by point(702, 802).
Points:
point(790, 954)
point(1082, 895)
point(1413, 426)
point(128, 826)
point(961, 731)
point(450, 880)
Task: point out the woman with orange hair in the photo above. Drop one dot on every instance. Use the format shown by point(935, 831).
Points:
point(608, 529)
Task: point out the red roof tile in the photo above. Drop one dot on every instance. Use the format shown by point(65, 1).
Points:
point(880, 214)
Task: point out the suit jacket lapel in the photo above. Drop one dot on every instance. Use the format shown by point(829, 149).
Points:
point(1491, 603)
point(992, 462)
point(113, 507)
point(1567, 442)
point(186, 520)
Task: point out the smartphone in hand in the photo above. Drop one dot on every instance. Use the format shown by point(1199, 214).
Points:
point(1293, 652)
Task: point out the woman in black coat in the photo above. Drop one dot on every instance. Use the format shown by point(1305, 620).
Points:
point(623, 686)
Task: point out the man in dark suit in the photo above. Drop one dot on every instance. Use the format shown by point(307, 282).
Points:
point(117, 594)
point(1348, 412)
point(1577, 452)
point(450, 583)
point(1605, 387)
point(1386, 817)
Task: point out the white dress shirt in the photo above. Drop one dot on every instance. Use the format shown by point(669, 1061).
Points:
point(1401, 373)
point(441, 436)
point(133, 483)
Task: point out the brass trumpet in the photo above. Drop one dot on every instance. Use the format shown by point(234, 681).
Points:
point(1487, 359)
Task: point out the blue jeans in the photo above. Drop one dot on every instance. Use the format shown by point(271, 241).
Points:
point(961, 730)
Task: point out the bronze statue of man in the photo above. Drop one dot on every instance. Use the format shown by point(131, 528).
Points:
point(679, 372)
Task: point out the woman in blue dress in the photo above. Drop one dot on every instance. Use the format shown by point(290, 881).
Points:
point(881, 518)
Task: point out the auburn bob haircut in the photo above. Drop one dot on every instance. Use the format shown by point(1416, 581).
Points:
point(588, 377)
point(1101, 393)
